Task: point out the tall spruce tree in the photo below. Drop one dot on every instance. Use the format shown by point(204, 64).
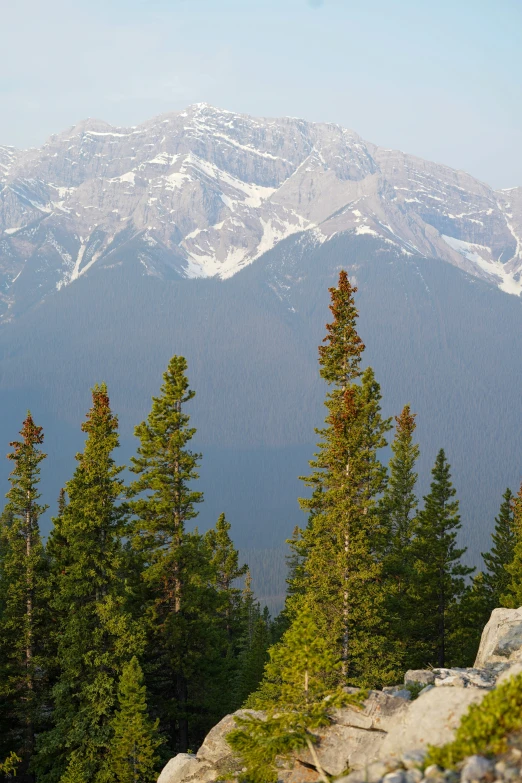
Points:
point(440, 574)
point(512, 597)
point(22, 598)
point(177, 563)
point(133, 756)
point(95, 634)
point(339, 576)
point(496, 577)
point(397, 508)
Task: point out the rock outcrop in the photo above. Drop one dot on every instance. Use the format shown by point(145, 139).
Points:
point(501, 641)
point(357, 735)
point(387, 738)
point(429, 720)
point(187, 767)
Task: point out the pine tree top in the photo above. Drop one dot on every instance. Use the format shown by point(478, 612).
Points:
point(164, 463)
point(101, 426)
point(405, 424)
point(340, 357)
point(441, 488)
point(439, 521)
point(517, 511)
point(25, 476)
point(225, 557)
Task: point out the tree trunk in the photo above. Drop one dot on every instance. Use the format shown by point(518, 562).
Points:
point(317, 763)
point(29, 730)
point(346, 597)
point(442, 629)
point(29, 595)
point(346, 610)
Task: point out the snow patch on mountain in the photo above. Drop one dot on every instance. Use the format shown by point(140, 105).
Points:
point(481, 256)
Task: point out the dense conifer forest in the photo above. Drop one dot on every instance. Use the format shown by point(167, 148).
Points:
point(127, 634)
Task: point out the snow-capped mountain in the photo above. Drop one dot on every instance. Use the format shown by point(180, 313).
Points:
point(204, 192)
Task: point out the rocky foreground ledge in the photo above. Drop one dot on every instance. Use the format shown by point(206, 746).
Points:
point(387, 739)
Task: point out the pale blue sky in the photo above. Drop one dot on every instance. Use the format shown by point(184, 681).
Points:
point(442, 80)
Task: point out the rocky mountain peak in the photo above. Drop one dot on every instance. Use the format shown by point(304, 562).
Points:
point(204, 192)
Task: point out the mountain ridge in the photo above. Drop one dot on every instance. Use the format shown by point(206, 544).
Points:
point(205, 192)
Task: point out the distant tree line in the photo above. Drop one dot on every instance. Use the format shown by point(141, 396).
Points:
point(126, 636)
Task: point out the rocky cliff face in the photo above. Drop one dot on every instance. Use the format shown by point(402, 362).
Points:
point(386, 741)
point(205, 192)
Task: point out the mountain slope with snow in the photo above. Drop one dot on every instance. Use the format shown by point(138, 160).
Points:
point(204, 192)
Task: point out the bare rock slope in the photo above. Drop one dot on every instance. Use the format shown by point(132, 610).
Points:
point(391, 732)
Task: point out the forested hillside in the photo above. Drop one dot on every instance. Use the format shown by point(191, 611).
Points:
point(446, 343)
point(128, 633)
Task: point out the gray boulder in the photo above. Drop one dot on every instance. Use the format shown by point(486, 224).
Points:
point(463, 678)
point(419, 677)
point(501, 641)
point(398, 691)
point(354, 740)
point(511, 671)
point(215, 749)
point(475, 768)
point(454, 677)
point(430, 719)
point(213, 760)
point(186, 768)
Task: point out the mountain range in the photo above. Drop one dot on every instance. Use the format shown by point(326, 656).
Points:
point(216, 236)
point(204, 192)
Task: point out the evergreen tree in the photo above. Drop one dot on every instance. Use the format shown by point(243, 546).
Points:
point(95, 634)
point(488, 589)
point(227, 626)
point(469, 616)
point(305, 669)
point(496, 577)
point(512, 597)
point(133, 748)
point(177, 569)
point(399, 501)
point(398, 507)
point(439, 570)
point(253, 657)
point(225, 565)
point(340, 576)
point(22, 596)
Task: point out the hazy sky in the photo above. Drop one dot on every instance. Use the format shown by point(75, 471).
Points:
point(442, 80)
